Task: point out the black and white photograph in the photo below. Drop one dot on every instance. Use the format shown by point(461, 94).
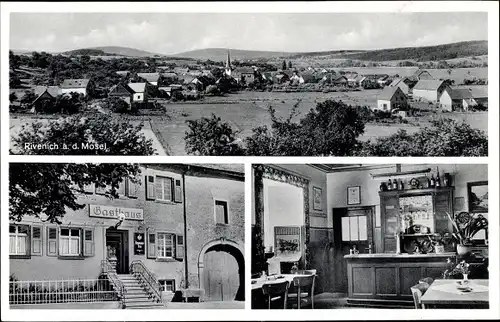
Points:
point(248, 84)
point(126, 236)
point(400, 247)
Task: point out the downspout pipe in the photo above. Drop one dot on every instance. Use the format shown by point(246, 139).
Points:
point(186, 273)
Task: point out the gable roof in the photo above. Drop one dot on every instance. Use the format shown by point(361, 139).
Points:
point(169, 75)
point(150, 77)
point(388, 92)
point(120, 89)
point(460, 93)
point(428, 84)
point(185, 79)
point(307, 77)
point(75, 83)
point(479, 92)
point(137, 87)
point(397, 81)
point(54, 91)
point(123, 72)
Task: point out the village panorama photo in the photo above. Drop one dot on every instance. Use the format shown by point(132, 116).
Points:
point(312, 84)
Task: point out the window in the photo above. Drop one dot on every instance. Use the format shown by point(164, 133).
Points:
point(167, 285)
point(165, 245)
point(163, 188)
point(131, 188)
point(221, 215)
point(354, 228)
point(18, 240)
point(69, 242)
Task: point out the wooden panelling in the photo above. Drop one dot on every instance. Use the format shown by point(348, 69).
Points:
point(362, 281)
point(408, 276)
point(385, 281)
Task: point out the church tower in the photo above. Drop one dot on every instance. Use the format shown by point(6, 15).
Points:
point(228, 64)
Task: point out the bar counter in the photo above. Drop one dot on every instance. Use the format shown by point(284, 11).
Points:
point(386, 278)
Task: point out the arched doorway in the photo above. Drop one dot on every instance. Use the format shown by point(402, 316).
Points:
point(221, 268)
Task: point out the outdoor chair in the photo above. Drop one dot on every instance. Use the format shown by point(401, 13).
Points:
point(427, 280)
point(275, 292)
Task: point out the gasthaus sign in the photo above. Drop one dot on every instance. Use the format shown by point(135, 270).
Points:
point(112, 212)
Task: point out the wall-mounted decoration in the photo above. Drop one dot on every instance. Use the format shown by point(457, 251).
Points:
point(139, 244)
point(459, 204)
point(478, 196)
point(319, 214)
point(317, 198)
point(354, 195)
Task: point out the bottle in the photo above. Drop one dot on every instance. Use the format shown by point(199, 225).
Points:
point(438, 180)
point(389, 185)
point(401, 185)
point(432, 184)
point(395, 185)
point(446, 181)
point(383, 187)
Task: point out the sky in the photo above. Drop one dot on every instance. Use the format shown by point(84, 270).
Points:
point(169, 33)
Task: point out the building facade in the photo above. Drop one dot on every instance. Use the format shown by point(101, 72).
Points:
point(174, 221)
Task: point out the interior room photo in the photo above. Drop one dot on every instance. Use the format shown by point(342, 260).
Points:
point(331, 236)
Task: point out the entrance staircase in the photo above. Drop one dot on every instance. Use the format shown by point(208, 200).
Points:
point(136, 295)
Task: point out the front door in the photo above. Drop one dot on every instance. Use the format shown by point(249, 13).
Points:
point(353, 227)
point(117, 249)
point(222, 278)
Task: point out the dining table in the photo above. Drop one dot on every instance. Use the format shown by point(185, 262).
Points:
point(258, 301)
point(450, 293)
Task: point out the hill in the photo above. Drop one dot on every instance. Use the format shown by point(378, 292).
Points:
point(220, 54)
point(427, 53)
point(112, 51)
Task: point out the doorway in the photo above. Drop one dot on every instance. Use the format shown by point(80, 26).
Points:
point(223, 273)
point(353, 227)
point(117, 246)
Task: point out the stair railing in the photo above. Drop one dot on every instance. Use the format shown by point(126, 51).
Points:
point(110, 272)
point(147, 278)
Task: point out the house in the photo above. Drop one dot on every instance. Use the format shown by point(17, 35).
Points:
point(480, 94)
point(281, 78)
point(181, 70)
point(123, 72)
point(400, 82)
point(457, 99)
point(81, 86)
point(423, 75)
point(182, 223)
point(44, 94)
point(244, 74)
point(340, 80)
point(140, 92)
point(121, 91)
point(391, 98)
point(354, 79)
point(169, 77)
point(169, 90)
point(151, 78)
point(429, 90)
point(383, 80)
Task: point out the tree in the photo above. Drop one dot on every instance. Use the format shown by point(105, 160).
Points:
point(46, 190)
point(284, 65)
point(444, 138)
point(14, 60)
point(28, 97)
point(12, 97)
point(289, 64)
point(97, 134)
point(211, 136)
point(331, 129)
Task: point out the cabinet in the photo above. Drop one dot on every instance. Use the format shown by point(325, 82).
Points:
point(391, 210)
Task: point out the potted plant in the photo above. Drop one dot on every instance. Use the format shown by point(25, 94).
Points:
point(465, 226)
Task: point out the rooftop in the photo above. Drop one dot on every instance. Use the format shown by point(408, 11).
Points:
point(137, 87)
point(428, 84)
point(75, 83)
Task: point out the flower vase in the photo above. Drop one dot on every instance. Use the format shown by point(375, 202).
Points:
point(465, 278)
point(463, 249)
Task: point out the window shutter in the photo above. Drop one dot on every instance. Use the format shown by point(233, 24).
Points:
point(150, 187)
point(88, 242)
point(179, 247)
point(131, 189)
point(159, 188)
point(121, 188)
point(36, 241)
point(151, 245)
point(52, 239)
point(178, 191)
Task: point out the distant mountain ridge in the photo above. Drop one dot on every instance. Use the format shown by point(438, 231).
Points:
point(111, 51)
point(220, 54)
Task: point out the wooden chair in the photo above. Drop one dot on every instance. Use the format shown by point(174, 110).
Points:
point(427, 280)
point(303, 291)
point(276, 291)
point(307, 272)
point(417, 292)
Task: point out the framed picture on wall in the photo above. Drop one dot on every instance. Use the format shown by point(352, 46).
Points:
point(354, 195)
point(477, 193)
point(317, 198)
